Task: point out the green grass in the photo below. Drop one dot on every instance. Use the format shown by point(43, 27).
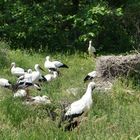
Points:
point(114, 115)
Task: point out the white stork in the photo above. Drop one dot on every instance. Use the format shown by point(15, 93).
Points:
point(30, 78)
point(27, 77)
point(36, 74)
point(50, 77)
point(80, 106)
point(38, 100)
point(25, 80)
point(53, 65)
point(17, 71)
point(21, 93)
point(5, 83)
point(90, 76)
point(91, 49)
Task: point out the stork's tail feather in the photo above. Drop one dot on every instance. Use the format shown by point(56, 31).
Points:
point(64, 66)
point(42, 79)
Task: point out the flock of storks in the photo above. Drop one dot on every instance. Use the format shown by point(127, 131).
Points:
point(29, 78)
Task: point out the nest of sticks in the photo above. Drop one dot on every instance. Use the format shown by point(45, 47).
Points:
point(109, 67)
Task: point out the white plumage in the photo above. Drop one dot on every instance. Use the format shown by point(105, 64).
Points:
point(38, 100)
point(4, 83)
point(50, 77)
point(17, 71)
point(27, 77)
point(53, 65)
point(30, 78)
point(91, 49)
point(36, 74)
point(90, 76)
point(21, 93)
point(83, 104)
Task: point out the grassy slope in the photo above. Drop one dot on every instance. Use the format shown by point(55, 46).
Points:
point(115, 115)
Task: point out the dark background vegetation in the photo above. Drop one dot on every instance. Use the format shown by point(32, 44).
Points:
point(68, 25)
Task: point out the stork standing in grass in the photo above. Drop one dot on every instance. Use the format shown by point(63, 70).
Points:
point(79, 107)
point(90, 76)
point(17, 71)
point(91, 50)
point(53, 65)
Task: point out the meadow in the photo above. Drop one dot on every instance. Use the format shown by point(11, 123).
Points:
point(115, 115)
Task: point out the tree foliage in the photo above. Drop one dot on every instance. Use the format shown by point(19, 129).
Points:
point(62, 25)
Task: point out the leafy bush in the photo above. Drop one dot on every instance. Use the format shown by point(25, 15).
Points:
point(63, 25)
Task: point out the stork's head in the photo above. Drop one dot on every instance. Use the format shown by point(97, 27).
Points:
point(29, 71)
point(90, 41)
point(13, 64)
point(47, 58)
point(36, 66)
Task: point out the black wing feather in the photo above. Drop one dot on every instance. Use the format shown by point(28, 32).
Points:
point(64, 66)
point(88, 78)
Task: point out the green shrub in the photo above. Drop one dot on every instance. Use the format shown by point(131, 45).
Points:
point(62, 26)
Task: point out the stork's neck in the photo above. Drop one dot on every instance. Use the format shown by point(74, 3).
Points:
point(13, 66)
point(90, 44)
point(48, 59)
point(88, 92)
point(38, 70)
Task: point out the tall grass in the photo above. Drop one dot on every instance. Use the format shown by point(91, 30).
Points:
point(115, 115)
